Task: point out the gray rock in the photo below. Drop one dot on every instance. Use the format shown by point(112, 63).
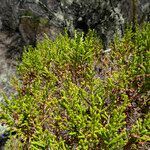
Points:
point(9, 43)
point(3, 139)
point(106, 17)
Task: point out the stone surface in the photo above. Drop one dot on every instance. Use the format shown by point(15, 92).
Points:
point(9, 50)
point(32, 17)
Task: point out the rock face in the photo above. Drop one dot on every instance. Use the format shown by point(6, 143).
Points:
point(23, 22)
point(9, 51)
point(31, 18)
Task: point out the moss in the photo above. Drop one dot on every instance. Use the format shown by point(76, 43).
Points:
point(64, 102)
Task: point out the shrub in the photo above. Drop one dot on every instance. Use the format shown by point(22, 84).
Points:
point(70, 95)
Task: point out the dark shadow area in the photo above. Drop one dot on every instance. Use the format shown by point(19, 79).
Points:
point(82, 25)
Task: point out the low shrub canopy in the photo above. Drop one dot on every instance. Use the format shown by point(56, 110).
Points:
point(72, 95)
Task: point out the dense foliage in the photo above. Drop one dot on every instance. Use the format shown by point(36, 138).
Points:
point(72, 95)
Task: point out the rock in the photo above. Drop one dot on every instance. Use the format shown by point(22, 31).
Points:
point(106, 17)
point(9, 14)
point(9, 51)
point(4, 135)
